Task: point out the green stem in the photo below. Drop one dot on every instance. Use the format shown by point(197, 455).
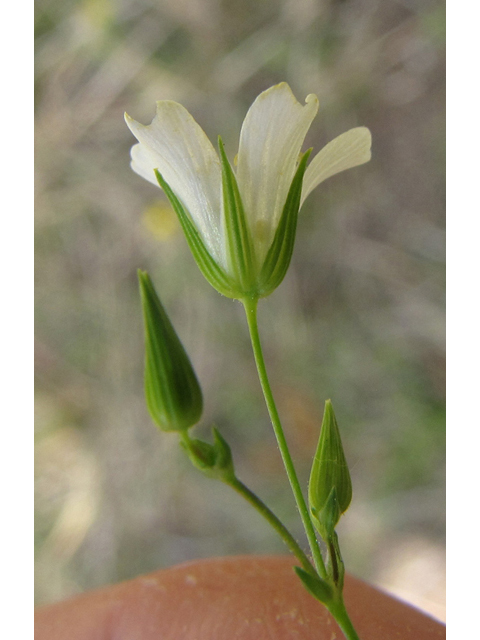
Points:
point(340, 614)
point(279, 527)
point(251, 313)
point(228, 477)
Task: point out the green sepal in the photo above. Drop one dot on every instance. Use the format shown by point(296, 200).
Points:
point(237, 234)
point(279, 255)
point(326, 520)
point(214, 460)
point(207, 265)
point(330, 486)
point(172, 392)
point(317, 587)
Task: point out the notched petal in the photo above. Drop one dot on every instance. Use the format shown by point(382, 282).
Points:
point(270, 142)
point(178, 148)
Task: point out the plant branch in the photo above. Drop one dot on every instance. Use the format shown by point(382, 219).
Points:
point(279, 527)
point(251, 313)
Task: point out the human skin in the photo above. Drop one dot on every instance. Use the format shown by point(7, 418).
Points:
point(234, 598)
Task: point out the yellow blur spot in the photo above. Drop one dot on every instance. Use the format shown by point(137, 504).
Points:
point(98, 13)
point(160, 220)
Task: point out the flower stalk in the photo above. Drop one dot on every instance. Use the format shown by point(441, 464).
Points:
point(277, 524)
point(251, 313)
point(215, 461)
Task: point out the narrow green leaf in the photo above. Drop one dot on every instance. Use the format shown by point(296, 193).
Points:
point(207, 265)
point(172, 392)
point(317, 587)
point(279, 255)
point(240, 251)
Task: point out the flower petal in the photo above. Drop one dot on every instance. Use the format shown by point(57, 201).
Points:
point(270, 142)
point(144, 162)
point(348, 150)
point(176, 145)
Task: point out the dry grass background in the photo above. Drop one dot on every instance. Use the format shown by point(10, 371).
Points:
point(359, 317)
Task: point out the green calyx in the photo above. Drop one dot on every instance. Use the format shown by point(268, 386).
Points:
point(172, 392)
point(330, 486)
point(243, 277)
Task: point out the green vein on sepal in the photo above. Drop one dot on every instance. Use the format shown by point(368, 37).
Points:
point(240, 251)
point(207, 265)
point(279, 255)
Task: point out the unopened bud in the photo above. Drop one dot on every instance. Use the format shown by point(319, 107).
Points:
point(330, 487)
point(173, 395)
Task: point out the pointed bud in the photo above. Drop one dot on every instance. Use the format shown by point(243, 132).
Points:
point(330, 487)
point(172, 392)
point(215, 460)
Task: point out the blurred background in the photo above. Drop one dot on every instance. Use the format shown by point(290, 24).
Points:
point(359, 317)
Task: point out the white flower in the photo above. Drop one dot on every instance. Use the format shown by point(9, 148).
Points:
point(270, 143)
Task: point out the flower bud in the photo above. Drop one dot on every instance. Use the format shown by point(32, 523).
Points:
point(172, 392)
point(330, 486)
